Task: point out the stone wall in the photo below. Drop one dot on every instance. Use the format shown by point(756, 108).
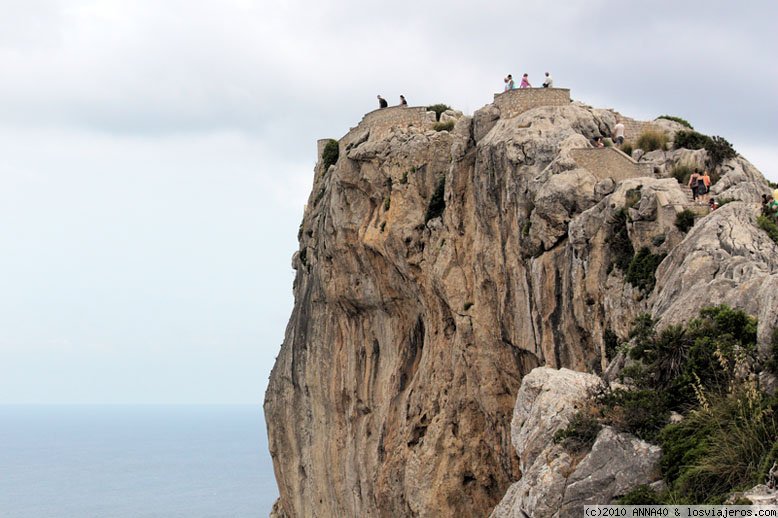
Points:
point(634, 128)
point(517, 101)
point(382, 120)
point(320, 144)
point(610, 163)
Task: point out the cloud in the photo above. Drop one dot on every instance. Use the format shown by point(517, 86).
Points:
point(155, 156)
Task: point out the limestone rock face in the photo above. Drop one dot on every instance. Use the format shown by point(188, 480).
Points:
point(547, 399)
point(437, 269)
point(556, 483)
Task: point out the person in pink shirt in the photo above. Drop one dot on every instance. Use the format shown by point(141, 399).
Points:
point(525, 82)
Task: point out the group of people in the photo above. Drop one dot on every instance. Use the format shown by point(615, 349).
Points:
point(699, 183)
point(548, 82)
point(383, 104)
point(617, 136)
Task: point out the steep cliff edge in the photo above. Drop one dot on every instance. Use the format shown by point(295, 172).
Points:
point(415, 321)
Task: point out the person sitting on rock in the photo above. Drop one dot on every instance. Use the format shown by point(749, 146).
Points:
point(403, 102)
point(772, 207)
point(509, 84)
point(382, 102)
point(598, 142)
point(549, 81)
point(525, 81)
point(712, 205)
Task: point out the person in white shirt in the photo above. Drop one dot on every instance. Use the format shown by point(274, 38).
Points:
point(549, 82)
point(618, 132)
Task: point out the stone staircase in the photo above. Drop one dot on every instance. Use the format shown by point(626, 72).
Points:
point(698, 210)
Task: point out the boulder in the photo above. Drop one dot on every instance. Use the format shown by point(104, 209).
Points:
point(556, 483)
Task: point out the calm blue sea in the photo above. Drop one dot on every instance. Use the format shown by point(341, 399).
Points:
point(134, 461)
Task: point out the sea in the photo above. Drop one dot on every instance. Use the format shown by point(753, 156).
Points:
point(128, 461)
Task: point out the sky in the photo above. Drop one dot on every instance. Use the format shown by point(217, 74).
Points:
point(156, 156)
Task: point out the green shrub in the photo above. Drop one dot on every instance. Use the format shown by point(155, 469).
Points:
point(719, 149)
point(768, 225)
point(684, 220)
point(525, 227)
point(611, 342)
point(772, 185)
point(679, 120)
point(438, 109)
point(682, 173)
point(330, 154)
point(690, 140)
point(387, 203)
point(437, 202)
point(620, 245)
point(723, 447)
point(658, 240)
point(444, 126)
point(771, 364)
point(651, 141)
point(642, 269)
point(703, 354)
point(728, 439)
point(642, 412)
point(723, 201)
point(641, 495)
point(404, 178)
point(632, 197)
point(580, 433)
point(626, 148)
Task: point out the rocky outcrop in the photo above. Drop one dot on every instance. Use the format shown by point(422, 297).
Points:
point(436, 269)
point(558, 483)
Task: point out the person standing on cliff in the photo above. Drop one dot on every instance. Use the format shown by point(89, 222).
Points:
point(618, 132)
point(525, 81)
point(382, 102)
point(403, 102)
point(549, 81)
point(509, 84)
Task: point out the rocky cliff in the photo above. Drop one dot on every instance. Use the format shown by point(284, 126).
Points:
point(437, 268)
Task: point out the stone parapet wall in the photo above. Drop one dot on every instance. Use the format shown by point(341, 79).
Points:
point(517, 101)
point(320, 144)
point(610, 163)
point(381, 121)
point(634, 128)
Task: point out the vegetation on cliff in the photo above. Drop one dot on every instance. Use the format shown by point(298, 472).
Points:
point(718, 148)
point(330, 154)
point(725, 434)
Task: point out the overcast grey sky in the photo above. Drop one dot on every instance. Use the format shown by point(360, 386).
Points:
point(155, 156)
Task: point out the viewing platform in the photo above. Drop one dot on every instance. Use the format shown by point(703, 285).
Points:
point(515, 102)
point(382, 120)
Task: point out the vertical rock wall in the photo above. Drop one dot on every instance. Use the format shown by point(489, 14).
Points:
point(394, 388)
